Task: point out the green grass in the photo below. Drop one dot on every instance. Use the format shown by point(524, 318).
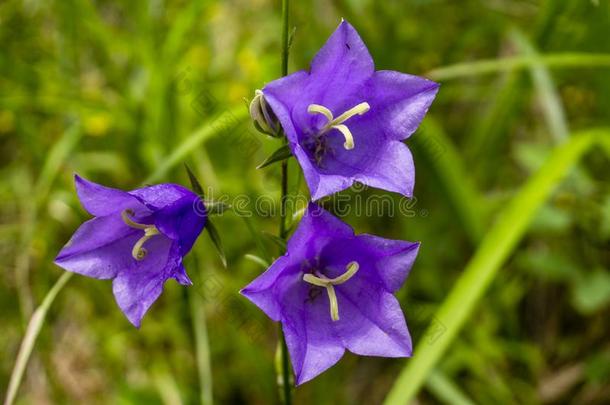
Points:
point(512, 195)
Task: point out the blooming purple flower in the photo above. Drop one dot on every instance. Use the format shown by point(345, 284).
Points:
point(137, 239)
point(345, 121)
point(333, 290)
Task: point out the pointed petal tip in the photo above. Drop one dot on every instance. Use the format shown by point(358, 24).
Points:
point(137, 323)
point(247, 292)
point(134, 318)
point(344, 24)
point(182, 278)
point(80, 181)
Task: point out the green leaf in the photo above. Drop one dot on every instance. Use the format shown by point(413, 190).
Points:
point(216, 241)
point(280, 154)
point(196, 186)
point(209, 225)
point(495, 249)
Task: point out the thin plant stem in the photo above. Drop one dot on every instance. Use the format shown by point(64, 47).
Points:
point(33, 329)
point(285, 373)
point(202, 349)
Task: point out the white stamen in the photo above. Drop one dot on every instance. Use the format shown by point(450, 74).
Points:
point(349, 139)
point(337, 123)
point(320, 109)
point(329, 284)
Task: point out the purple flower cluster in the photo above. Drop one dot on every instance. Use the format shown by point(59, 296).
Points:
point(332, 290)
point(345, 123)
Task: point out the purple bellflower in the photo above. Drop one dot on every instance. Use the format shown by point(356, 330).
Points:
point(345, 121)
point(333, 290)
point(137, 239)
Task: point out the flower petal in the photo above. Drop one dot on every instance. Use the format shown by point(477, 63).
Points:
point(394, 171)
point(158, 196)
point(316, 229)
point(312, 342)
point(137, 287)
point(398, 103)
point(370, 319)
point(372, 323)
point(180, 275)
point(261, 291)
point(99, 200)
point(387, 165)
point(342, 63)
point(393, 258)
point(182, 220)
point(282, 95)
point(99, 248)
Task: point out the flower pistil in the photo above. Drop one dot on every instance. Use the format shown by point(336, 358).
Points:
point(138, 252)
point(329, 284)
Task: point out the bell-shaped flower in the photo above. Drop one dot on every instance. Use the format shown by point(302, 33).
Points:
point(137, 238)
point(345, 122)
point(333, 290)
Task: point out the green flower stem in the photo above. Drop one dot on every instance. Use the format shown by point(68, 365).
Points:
point(284, 374)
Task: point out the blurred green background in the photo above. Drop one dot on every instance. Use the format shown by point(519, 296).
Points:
point(112, 89)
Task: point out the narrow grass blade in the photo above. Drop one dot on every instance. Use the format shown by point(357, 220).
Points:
point(451, 172)
point(490, 66)
point(494, 250)
point(181, 25)
point(166, 386)
point(219, 124)
point(55, 159)
point(31, 334)
point(258, 240)
point(446, 390)
point(202, 348)
point(545, 87)
point(489, 130)
point(258, 260)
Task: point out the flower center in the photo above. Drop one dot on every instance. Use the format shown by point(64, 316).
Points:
point(138, 252)
point(330, 283)
point(337, 123)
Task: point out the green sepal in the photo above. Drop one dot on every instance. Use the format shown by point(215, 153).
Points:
point(209, 226)
point(280, 154)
